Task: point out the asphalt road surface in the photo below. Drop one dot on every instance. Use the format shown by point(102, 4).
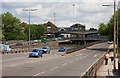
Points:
point(53, 64)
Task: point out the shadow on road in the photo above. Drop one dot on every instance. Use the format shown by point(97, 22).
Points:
point(98, 49)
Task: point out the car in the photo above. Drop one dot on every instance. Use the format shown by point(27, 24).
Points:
point(61, 49)
point(54, 39)
point(45, 49)
point(19, 43)
point(59, 38)
point(36, 41)
point(36, 53)
point(31, 42)
point(110, 42)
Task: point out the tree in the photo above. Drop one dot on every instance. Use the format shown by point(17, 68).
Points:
point(36, 31)
point(108, 29)
point(92, 29)
point(102, 29)
point(12, 29)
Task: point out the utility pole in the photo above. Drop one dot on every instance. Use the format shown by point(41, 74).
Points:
point(29, 10)
point(114, 35)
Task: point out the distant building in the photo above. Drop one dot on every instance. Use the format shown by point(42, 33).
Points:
point(77, 28)
point(74, 31)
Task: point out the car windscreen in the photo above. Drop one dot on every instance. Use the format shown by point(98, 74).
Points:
point(62, 48)
point(35, 50)
point(44, 48)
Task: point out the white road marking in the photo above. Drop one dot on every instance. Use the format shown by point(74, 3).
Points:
point(95, 55)
point(39, 73)
point(81, 57)
point(80, 54)
point(71, 61)
point(54, 68)
point(64, 64)
point(76, 59)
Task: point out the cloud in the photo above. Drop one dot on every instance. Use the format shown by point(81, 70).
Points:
point(87, 13)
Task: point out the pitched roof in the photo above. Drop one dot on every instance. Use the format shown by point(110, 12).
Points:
point(79, 25)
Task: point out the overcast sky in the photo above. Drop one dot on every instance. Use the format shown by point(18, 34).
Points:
point(87, 12)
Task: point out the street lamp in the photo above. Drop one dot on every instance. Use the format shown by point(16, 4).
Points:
point(29, 10)
point(114, 31)
point(54, 18)
point(73, 12)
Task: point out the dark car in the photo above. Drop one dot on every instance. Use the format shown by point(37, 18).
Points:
point(19, 43)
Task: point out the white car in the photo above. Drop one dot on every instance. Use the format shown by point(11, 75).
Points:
point(110, 42)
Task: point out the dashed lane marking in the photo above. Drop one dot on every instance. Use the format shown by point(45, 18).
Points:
point(64, 64)
point(54, 68)
point(76, 59)
point(39, 73)
point(71, 61)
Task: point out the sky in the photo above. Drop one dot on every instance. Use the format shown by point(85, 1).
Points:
point(87, 12)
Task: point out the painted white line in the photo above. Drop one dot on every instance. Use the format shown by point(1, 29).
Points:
point(81, 57)
point(95, 55)
point(71, 61)
point(54, 68)
point(80, 54)
point(76, 59)
point(39, 73)
point(64, 64)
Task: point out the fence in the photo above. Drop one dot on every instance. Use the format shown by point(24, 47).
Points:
point(92, 71)
point(81, 47)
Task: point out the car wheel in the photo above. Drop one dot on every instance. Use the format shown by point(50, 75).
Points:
point(29, 56)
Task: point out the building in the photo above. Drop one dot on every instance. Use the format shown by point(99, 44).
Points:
point(76, 30)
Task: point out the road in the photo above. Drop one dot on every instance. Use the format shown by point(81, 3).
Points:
point(53, 64)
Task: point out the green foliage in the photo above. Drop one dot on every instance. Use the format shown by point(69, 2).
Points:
point(102, 29)
point(108, 29)
point(12, 29)
point(15, 30)
point(36, 31)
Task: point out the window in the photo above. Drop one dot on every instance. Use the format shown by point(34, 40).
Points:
point(72, 35)
point(80, 35)
point(76, 35)
point(48, 28)
point(80, 28)
point(76, 28)
point(72, 28)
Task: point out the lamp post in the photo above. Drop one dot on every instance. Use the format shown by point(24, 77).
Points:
point(29, 10)
point(54, 17)
point(73, 12)
point(114, 32)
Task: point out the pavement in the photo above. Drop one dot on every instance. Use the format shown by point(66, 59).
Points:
point(106, 71)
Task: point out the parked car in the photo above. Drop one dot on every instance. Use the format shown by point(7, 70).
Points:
point(110, 42)
point(59, 38)
point(45, 49)
point(36, 53)
point(54, 39)
point(19, 43)
point(35, 41)
point(61, 49)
